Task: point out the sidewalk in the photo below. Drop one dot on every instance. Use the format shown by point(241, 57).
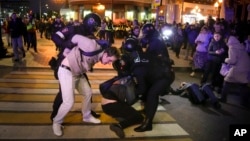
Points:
point(46, 50)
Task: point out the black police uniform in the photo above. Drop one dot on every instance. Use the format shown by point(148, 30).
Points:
point(153, 75)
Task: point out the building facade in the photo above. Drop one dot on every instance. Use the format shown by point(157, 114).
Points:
point(113, 9)
point(164, 10)
point(7, 7)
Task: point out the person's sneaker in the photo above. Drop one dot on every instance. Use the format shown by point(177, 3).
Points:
point(92, 119)
point(57, 129)
point(117, 129)
point(192, 74)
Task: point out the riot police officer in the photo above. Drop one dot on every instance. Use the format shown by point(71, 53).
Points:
point(153, 42)
point(62, 39)
point(152, 74)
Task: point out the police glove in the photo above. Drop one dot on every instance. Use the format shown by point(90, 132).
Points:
point(68, 44)
point(103, 43)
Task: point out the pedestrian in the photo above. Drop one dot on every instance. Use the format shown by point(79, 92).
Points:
point(217, 52)
point(72, 75)
point(41, 27)
point(110, 31)
point(192, 33)
point(31, 34)
point(5, 27)
point(178, 40)
point(48, 28)
point(57, 25)
point(102, 32)
point(16, 28)
point(237, 79)
point(62, 39)
point(200, 55)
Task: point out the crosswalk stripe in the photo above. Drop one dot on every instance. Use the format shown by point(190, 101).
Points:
point(36, 91)
point(47, 106)
point(25, 76)
point(26, 99)
point(35, 85)
point(171, 132)
point(41, 97)
point(73, 117)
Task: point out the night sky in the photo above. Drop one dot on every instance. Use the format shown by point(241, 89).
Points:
point(35, 5)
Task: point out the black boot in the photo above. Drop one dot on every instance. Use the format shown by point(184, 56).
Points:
point(118, 130)
point(145, 126)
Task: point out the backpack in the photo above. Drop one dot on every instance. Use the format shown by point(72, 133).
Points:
point(123, 92)
point(194, 93)
point(209, 94)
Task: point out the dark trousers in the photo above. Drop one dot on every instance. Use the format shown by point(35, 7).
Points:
point(177, 48)
point(122, 110)
point(57, 103)
point(239, 89)
point(213, 68)
point(41, 33)
point(152, 97)
point(32, 41)
point(110, 36)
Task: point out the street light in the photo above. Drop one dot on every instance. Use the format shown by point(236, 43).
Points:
point(217, 5)
point(100, 7)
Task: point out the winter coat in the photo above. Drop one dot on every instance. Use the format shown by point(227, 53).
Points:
point(192, 35)
point(213, 47)
point(16, 28)
point(239, 59)
point(203, 41)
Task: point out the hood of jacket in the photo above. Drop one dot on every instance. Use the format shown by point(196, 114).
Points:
point(233, 42)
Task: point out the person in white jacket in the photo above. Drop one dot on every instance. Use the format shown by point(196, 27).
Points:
point(72, 75)
point(200, 56)
point(236, 80)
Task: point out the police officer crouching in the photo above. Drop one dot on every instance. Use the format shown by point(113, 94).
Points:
point(152, 75)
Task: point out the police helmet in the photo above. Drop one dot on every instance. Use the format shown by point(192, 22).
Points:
point(130, 45)
point(148, 29)
point(92, 21)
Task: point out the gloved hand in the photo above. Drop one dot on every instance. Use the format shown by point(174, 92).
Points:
point(68, 44)
point(103, 43)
